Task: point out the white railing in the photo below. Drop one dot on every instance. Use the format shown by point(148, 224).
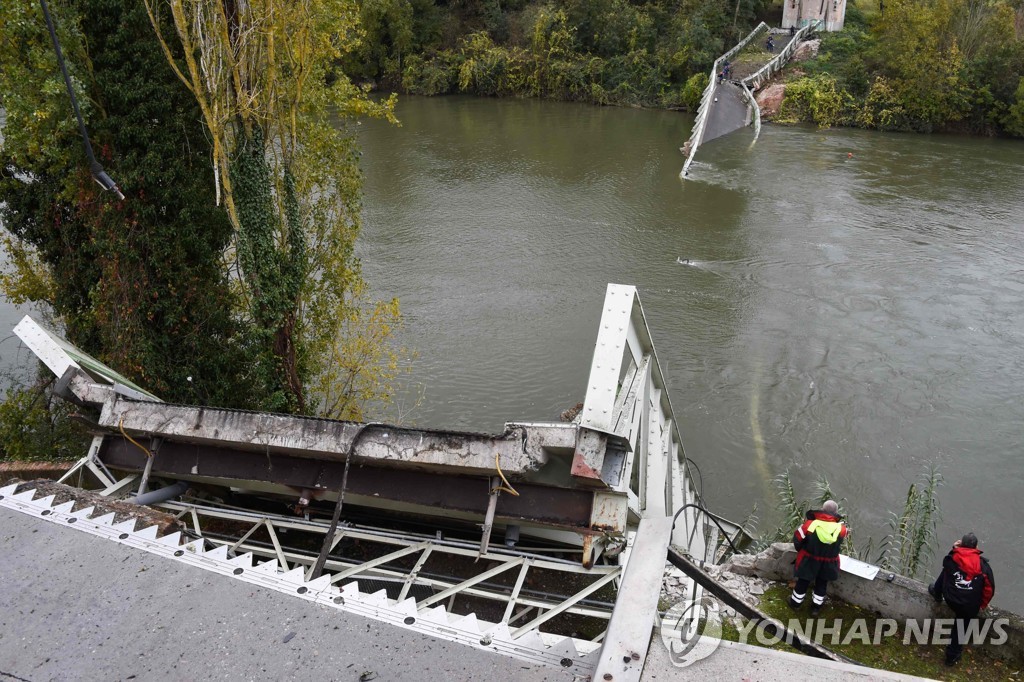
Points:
point(750, 85)
point(702, 111)
point(752, 105)
point(627, 399)
point(764, 74)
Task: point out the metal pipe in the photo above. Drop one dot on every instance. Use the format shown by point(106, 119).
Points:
point(154, 447)
point(144, 484)
point(95, 168)
point(773, 627)
point(162, 495)
point(492, 505)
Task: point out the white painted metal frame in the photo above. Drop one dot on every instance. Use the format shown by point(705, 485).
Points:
point(58, 355)
point(640, 412)
point(525, 642)
point(92, 464)
point(629, 630)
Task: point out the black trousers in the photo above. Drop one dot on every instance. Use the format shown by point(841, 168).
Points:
point(820, 586)
point(964, 617)
point(955, 648)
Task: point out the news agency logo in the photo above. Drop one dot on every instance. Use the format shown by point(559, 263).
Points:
point(691, 631)
point(919, 631)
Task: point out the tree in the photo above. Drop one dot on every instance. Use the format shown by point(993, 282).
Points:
point(264, 78)
point(1015, 117)
point(139, 284)
point(388, 27)
point(923, 62)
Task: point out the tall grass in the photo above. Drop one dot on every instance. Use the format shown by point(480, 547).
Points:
point(906, 548)
point(910, 542)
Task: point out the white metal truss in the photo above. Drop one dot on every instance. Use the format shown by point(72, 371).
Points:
point(59, 355)
point(627, 398)
point(516, 634)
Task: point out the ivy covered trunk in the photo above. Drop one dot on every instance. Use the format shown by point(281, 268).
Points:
point(272, 256)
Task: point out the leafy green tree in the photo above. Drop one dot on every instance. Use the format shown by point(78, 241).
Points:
point(265, 80)
point(924, 63)
point(1014, 120)
point(388, 38)
point(139, 283)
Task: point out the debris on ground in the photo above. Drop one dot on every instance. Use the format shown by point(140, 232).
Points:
point(123, 511)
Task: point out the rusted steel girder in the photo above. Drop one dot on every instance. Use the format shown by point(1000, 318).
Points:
point(566, 508)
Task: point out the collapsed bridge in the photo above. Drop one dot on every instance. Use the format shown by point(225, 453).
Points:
point(546, 542)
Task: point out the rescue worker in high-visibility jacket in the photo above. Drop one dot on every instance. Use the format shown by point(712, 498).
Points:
point(817, 543)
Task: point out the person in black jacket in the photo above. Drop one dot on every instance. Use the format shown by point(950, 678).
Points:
point(817, 541)
point(967, 584)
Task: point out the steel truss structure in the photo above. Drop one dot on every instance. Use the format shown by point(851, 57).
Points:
point(420, 602)
point(613, 488)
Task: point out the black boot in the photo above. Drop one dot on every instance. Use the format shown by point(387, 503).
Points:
point(794, 604)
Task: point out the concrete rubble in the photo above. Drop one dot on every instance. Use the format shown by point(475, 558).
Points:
point(749, 588)
point(807, 50)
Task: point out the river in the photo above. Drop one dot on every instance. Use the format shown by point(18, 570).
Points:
point(852, 317)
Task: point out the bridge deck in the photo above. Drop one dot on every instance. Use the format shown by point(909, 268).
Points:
point(728, 112)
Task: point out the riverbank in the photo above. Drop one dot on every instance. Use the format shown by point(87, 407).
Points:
point(955, 68)
point(848, 626)
point(912, 69)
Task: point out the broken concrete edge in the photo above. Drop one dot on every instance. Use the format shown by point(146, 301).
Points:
point(523, 446)
point(891, 595)
point(165, 523)
point(30, 469)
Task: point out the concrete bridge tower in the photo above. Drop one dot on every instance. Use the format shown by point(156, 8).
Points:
point(799, 13)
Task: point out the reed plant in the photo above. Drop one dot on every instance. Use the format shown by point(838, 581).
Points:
point(906, 548)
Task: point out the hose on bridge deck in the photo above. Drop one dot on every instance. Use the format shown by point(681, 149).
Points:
point(325, 549)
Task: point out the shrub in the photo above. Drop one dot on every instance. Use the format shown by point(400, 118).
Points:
point(814, 99)
point(694, 90)
point(435, 75)
point(34, 425)
point(883, 108)
point(1014, 119)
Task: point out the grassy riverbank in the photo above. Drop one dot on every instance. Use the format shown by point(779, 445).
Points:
point(955, 65)
point(890, 654)
point(949, 66)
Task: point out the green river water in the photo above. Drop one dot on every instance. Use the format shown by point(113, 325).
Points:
point(857, 318)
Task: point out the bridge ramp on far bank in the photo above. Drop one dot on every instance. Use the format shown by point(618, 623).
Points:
point(730, 105)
